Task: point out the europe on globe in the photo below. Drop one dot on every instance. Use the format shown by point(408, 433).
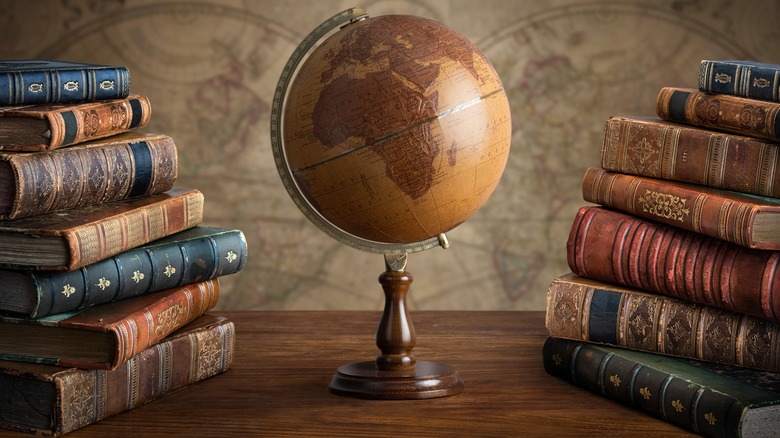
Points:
point(396, 129)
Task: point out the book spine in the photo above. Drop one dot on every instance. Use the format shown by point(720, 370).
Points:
point(660, 393)
point(657, 324)
point(100, 240)
point(97, 120)
point(740, 79)
point(675, 205)
point(140, 271)
point(64, 85)
point(737, 115)
point(86, 397)
point(73, 177)
point(626, 250)
point(692, 155)
point(140, 330)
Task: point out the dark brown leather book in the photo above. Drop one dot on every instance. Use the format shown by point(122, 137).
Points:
point(626, 250)
point(587, 310)
point(70, 239)
point(748, 220)
point(107, 335)
point(722, 112)
point(110, 169)
point(659, 149)
point(44, 127)
point(50, 400)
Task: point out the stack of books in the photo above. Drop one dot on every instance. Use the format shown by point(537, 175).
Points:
point(106, 270)
point(678, 266)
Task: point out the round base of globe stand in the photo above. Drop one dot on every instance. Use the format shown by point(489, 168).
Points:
point(425, 380)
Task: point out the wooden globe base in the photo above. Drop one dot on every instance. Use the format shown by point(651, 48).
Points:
point(396, 374)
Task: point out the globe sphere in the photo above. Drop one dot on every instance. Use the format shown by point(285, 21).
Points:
point(396, 129)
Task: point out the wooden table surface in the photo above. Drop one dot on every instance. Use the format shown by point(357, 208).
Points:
point(285, 360)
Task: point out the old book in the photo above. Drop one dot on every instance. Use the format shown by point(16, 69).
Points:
point(757, 80)
point(709, 399)
point(71, 239)
point(107, 335)
point(43, 127)
point(193, 255)
point(722, 112)
point(33, 81)
point(749, 220)
point(52, 401)
point(110, 169)
point(656, 148)
point(626, 250)
point(587, 310)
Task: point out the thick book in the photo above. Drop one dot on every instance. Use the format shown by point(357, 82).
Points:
point(749, 220)
point(709, 399)
point(52, 401)
point(193, 255)
point(71, 239)
point(118, 167)
point(587, 310)
point(756, 80)
point(43, 127)
point(626, 250)
point(660, 149)
point(108, 335)
point(34, 81)
point(721, 112)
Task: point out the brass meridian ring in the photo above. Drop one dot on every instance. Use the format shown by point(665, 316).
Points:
point(339, 20)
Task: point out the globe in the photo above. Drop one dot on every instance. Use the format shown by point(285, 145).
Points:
point(396, 129)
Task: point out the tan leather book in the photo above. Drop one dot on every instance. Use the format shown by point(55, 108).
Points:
point(50, 400)
point(70, 239)
point(107, 335)
point(749, 220)
point(110, 169)
point(46, 127)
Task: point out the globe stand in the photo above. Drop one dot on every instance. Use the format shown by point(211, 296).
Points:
point(396, 374)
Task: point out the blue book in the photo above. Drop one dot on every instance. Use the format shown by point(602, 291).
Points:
point(194, 255)
point(27, 82)
point(756, 80)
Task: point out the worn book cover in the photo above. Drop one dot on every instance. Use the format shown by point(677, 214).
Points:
point(32, 128)
point(100, 171)
point(34, 81)
point(756, 80)
point(71, 239)
point(107, 335)
point(197, 254)
point(52, 401)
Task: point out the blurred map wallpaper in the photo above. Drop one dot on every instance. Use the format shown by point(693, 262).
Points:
point(210, 68)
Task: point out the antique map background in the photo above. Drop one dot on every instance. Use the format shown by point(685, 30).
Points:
point(210, 68)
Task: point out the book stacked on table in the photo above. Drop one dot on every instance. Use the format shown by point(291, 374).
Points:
point(107, 273)
point(678, 266)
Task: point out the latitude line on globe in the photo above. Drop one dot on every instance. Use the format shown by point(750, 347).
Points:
point(392, 135)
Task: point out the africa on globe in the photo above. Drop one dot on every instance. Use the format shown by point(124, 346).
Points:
point(396, 129)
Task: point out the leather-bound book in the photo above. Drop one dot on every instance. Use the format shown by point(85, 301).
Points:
point(626, 250)
point(110, 169)
point(710, 399)
point(722, 112)
point(52, 401)
point(32, 128)
point(197, 254)
point(108, 335)
point(748, 220)
point(656, 148)
point(34, 81)
point(756, 80)
point(587, 310)
point(71, 239)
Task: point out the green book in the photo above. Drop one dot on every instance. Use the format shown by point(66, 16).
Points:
point(706, 398)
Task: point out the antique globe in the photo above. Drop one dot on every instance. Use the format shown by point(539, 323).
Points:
point(388, 132)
